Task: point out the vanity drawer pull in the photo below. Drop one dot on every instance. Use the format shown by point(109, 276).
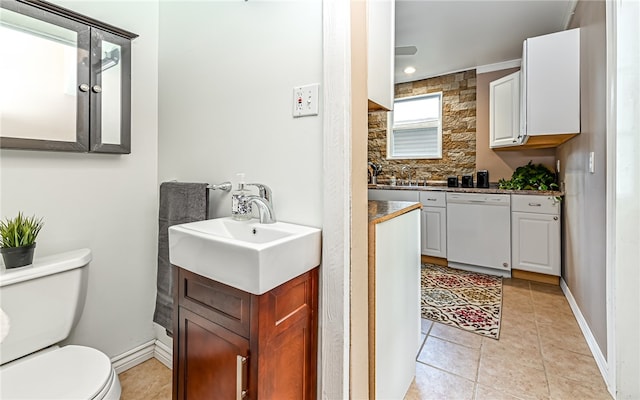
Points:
point(240, 362)
point(535, 205)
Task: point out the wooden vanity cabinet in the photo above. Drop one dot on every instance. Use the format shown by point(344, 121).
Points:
point(230, 344)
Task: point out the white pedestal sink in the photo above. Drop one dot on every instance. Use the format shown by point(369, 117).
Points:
point(246, 255)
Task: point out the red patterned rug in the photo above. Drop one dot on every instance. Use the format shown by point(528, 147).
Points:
point(466, 300)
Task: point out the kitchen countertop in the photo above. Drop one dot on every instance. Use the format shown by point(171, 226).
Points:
point(382, 210)
point(492, 189)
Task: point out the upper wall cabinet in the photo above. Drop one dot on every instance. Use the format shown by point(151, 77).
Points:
point(549, 86)
point(380, 44)
point(504, 111)
point(65, 81)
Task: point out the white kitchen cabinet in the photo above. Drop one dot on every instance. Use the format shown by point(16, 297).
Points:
point(550, 88)
point(394, 310)
point(434, 224)
point(504, 111)
point(380, 45)
point(535, 229)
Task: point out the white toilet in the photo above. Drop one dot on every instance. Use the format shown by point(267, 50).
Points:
point(43, 302)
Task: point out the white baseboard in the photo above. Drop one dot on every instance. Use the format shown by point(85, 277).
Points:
point(133, 357)
point(164, 354)
point(151, 349)
point(591, 340)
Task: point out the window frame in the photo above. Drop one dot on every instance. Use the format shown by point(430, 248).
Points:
point(427, 123)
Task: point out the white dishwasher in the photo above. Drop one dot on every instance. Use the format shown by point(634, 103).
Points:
point(479, 232)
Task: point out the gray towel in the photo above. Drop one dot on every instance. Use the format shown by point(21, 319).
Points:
point(180, 203)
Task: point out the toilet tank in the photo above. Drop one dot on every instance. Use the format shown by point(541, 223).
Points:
point(43, 302)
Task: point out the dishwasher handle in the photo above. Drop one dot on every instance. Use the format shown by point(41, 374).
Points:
point(497, 200)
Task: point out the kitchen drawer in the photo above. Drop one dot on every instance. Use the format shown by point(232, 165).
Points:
point(535, 204)
point(433, 199)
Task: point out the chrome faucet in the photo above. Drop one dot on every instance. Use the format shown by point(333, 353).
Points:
point(263, 191)
point(264, 202)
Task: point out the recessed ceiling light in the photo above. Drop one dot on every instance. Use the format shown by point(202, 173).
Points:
point(409, 70)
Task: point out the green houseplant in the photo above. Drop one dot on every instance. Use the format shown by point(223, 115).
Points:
point(530, 177)
point(18, 239)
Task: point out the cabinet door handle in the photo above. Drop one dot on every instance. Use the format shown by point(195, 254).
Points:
point(555, 218)
point(96, 88)
point(535, 204)
point(432, 199)
point(84, 87)
point(240, 362)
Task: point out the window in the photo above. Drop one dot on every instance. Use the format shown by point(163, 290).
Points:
point(414, 128)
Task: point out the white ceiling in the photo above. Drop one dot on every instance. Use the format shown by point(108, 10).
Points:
point(454, 35)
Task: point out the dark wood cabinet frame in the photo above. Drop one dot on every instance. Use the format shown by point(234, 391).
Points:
point(90, 32)
point(215, 325)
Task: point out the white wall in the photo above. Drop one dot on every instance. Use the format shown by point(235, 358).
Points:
point(226, 77)
point(107, 203)
point(623, 41)
point(584, 208)
point(227, 72)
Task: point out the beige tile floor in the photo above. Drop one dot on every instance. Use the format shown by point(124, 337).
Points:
point(150, 380)
point(541, 354)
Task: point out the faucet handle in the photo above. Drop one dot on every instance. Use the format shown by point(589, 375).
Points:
point(263, 190)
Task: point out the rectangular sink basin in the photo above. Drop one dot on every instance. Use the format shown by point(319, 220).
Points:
point(246, 255)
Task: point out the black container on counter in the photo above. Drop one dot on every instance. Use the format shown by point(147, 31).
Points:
point(482, 180)
point(452, 181)
point(467, 181)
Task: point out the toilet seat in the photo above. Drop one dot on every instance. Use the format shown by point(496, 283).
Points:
point(69, 372)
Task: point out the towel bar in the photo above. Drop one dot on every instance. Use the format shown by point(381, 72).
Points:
point(226, 186)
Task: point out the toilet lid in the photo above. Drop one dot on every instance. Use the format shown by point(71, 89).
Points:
point(70, 372)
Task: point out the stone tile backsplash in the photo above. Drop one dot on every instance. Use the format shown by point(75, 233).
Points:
point(458, 129)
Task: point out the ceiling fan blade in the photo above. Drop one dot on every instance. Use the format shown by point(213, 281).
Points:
point(406, 50)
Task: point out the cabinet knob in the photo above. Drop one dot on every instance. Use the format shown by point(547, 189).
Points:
point(97, 89)
point(555, 218)
point(84, 87)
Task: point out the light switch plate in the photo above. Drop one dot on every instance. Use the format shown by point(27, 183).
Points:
point(305, 100)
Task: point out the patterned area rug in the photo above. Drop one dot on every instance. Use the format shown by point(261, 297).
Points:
point(466, 300)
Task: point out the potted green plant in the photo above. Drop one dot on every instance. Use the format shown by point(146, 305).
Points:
point(530, 177)
point(18, 240)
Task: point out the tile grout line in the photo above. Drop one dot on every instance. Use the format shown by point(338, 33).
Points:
point(535, 319)
point(446, 372)
point(475, 385)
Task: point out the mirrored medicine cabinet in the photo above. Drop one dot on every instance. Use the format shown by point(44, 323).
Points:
point(65, 80)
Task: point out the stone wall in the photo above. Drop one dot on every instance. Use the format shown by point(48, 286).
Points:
point(458, 130)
